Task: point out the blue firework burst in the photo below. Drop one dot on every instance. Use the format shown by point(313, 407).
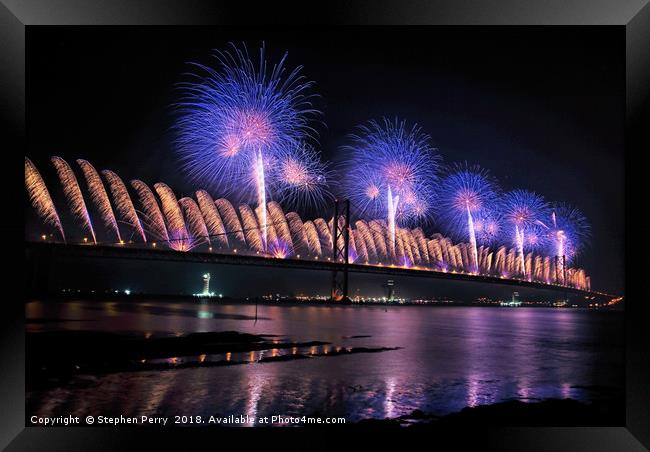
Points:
point(468, 192)
point(567, 231)
point(389, 155)
point(522, 212)
point(300, 178)
point(229, 114)
point(489, 227)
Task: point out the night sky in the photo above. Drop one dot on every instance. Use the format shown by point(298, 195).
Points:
point(542, 108)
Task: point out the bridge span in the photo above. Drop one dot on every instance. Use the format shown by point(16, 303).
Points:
point(41, 255)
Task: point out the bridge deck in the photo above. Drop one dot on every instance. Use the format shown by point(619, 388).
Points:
point(52, 250)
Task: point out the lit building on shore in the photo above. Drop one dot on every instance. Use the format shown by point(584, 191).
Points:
point(206, 284)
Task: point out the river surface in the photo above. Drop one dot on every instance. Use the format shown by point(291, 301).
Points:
point(449, 358)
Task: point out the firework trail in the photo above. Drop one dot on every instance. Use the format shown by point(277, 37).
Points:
point(230, 219)
point(353, 254)
point(261, 195)
point(281, 226)
point(194, 219)
point(378, 237)
point(324, 235)
point(73, 193)
point(393, 202)
point(522, 211)
point(123, 202)
point(365, 235)
point(360, 246)
point(298, 235)
point(252, 230)
point(99, 196)
point(155, 219)
point(405, 236)
point(178, 237)
point(240, 116)
point(312, 238)
point(268, 232)
point(385, 157)
point(40, 197)
point(421, 244)
point(467, 192)
point(212, 218)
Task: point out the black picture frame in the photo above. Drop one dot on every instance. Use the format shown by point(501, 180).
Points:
point(633, 15)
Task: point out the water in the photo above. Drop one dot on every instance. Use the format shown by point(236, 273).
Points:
point(450, 357)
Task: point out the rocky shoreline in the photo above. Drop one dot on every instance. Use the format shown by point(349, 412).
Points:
point(53, 358)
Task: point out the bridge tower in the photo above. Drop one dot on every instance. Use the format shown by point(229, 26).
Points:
point(340, 248)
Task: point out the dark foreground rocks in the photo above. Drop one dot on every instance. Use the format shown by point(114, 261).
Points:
point(54, 358)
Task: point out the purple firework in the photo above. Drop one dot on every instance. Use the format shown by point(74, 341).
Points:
point(467, 193)
point(234, 120)
point(522, 212)
point(299, 178)
point(567, 231)
point(391, 166)
point(489, 227)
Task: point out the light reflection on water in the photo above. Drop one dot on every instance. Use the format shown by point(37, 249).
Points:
point(389, 405)
point(451, 357)
point(255, 387)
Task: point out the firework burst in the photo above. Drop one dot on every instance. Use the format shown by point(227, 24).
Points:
point(40, 197)
point(567, 232)
point(229, 115)
point(536, 238)
point(391, 171)
point(488, 227)
point(300, 178)
point(465, 189)
point(524, 208)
